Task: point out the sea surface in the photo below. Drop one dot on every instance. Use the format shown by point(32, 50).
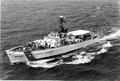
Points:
point(28, 20)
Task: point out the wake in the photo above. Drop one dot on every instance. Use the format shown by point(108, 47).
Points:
point(112, 36)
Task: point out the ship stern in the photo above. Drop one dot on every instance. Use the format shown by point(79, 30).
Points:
point(16, 57)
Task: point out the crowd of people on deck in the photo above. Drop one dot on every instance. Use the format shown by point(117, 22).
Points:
point(42, 44)
point(34, 45)
point(38, 44)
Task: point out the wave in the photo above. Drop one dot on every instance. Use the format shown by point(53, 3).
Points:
point(112, 36)
point(41, 63)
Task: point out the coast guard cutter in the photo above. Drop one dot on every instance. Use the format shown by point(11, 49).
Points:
point(57, 43)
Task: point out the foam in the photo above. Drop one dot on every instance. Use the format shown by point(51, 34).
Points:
point(112, 36)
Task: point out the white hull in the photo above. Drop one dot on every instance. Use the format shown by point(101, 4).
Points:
point(16, 57)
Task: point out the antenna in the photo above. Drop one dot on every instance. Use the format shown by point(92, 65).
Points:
point(64, 11)
point(44, 25)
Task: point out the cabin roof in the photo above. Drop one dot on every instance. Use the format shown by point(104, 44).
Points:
point(51, 37)
point(78, 32)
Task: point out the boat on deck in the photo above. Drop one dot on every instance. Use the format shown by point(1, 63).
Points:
point(55, 44)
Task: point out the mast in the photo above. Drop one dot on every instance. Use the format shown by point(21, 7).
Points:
point(62, 21)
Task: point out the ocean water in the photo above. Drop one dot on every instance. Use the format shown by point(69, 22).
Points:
point(28, 20)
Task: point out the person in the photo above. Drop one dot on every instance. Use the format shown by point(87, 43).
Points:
point(36, 45)
point(29, 44)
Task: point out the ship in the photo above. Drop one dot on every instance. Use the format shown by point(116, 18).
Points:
point(56, 43)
